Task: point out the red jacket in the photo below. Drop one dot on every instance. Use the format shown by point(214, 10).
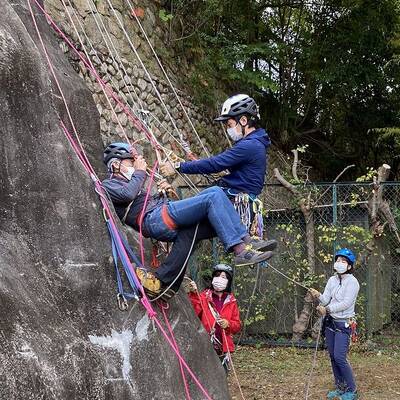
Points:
point(230, 312)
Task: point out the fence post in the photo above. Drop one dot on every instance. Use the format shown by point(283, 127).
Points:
point(334, 214)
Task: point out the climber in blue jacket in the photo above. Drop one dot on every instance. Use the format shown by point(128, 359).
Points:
point(245, 161)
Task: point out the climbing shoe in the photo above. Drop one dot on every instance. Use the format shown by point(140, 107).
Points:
point(262, 245)
point(249, 256)
point(334, 394)
point(348, 396)
point(151, 284)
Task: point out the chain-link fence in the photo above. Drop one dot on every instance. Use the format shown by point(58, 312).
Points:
point(340, 215)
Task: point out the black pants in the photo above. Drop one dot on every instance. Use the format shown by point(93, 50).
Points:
point(172, 265)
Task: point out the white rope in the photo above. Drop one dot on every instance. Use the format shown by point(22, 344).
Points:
point(287, 277)
point(186, 179)
point(133, 13)
point(182, 269)
point(92, 66)
point(120, 23)
point(158, 176)
point(94, 11)
point(314, 363)
point(141, 109)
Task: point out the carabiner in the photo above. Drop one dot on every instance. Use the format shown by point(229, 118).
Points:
point(122, 302)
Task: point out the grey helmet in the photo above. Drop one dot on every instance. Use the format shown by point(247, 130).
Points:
point(223, 267)
point(238, 105)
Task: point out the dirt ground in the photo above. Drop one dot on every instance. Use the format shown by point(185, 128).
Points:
point(282, 373)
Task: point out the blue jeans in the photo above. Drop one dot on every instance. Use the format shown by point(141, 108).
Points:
point(213, 205)
point(337, 337)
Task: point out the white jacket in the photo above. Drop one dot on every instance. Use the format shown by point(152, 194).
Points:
point(340, 295)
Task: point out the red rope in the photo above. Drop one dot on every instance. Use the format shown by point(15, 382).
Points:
point(163, 309)
point(103, 198)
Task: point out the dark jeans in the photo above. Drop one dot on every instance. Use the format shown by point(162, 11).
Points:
point(337, 337)
point(215, 215)
point(172, 265)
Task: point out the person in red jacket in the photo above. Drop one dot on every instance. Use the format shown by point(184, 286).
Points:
point(218, 311)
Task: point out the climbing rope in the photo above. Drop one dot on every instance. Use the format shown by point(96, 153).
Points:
point(233, 366)
point(151, 80)
point(164, 307)
point(138, 124)
point(103, 198)
point(314, 362)
point(169, 287)
point(133, 13)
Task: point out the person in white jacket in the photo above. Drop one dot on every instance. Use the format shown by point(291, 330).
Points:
point(337, 307)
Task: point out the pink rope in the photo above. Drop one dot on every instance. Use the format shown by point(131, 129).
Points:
point(136, 122)
point(163, 309)
point(144, 210)
point(100, 190)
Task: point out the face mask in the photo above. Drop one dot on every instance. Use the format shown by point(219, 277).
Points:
point(340, 267)
point(235, 136)
point(128, 173)
point(219, 283)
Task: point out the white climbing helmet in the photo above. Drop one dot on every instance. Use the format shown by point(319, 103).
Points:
point(238, 105)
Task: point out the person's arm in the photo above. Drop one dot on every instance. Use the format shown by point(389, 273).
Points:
point(234, 321)
point(350, 297)
point(225, 160)
point(122, 191)
point(325, 297)
point(196, 302)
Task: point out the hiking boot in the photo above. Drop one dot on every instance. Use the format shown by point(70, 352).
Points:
point(151, 284)
point(334, 394)
point(348, 396)
point(262, 245)
point(249, 256)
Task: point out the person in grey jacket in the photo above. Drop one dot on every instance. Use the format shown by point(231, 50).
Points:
point(337, 307)
point(182, 222)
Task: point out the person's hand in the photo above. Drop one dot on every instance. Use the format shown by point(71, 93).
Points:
point(321, 310)
point(164, 186)
point(167, 169)
point(134, 152)
point(192, 286)
point(314, 293)
point(223, 323)
point(140, 164)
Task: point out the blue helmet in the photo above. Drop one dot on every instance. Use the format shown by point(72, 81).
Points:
point(118, 150)
point(346, 253)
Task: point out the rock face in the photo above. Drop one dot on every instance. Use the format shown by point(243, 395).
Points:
point(61, 333)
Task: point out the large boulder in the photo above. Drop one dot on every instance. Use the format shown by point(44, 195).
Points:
point(61, 333)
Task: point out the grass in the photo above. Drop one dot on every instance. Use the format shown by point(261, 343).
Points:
point(282, 373)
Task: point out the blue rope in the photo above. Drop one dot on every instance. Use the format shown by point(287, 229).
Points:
point(118, 254)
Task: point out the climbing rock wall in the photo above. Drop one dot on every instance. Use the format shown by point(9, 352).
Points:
point(97, 28)
point(61, 334)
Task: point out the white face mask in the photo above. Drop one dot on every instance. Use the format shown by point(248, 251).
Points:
point(340, 267)
point(128, 173)
point(233, 133)
point(219, 284)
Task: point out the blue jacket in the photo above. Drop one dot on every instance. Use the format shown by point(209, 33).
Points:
point(246, 162)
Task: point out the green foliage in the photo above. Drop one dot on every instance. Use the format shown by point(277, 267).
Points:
point(325, 73)
point(164, 16)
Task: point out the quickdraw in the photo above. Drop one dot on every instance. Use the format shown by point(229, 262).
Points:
point(257, 227)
